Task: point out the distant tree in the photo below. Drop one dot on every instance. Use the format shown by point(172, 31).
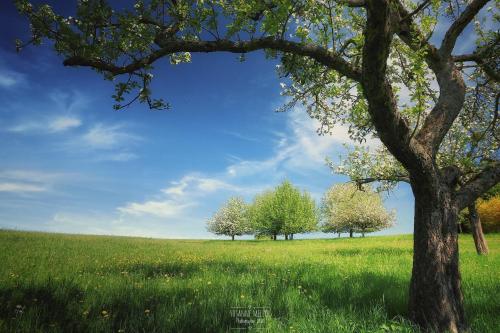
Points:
point(470, 219)
point(284, 211)
point(263, 216)
point(489, 212)
point(231, 219)
point(346, 208)
point(296, 210)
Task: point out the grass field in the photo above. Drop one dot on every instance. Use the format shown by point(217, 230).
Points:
point(64, 283)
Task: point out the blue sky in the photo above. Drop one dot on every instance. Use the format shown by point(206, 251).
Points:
point(70, 163)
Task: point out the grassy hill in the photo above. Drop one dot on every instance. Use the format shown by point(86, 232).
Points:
point(66, 283)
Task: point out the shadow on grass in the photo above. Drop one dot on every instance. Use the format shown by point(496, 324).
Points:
point(178, 310)
point(363, 291)
point(44, 307)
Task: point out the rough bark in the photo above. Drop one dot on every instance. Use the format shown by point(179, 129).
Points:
point(477, 231)
point(436, 301)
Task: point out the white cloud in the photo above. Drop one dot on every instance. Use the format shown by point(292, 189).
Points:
point(165, 208)
point(104, 142)
point(50, 125)
point(103, 136)
point(63, 123)
point(118, 157)
point(10, 78)
point(21, 187)
point(173, 200)
point(30, 175)
point(195, 184)
point(28, 181)
point(25, 127)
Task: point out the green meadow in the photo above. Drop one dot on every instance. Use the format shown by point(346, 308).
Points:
point(69, 283)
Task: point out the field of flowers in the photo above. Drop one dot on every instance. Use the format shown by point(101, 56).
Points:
point(65, 283)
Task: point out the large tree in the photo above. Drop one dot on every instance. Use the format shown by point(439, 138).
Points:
point(348, 61)
point(346, 208)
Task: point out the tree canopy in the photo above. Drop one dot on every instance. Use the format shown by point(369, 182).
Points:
point(283, 211)
point(345, 208)
point(231, 219)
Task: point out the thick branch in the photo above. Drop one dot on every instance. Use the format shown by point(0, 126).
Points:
point(459, 25)
point(443, 114)
point(317, 53)
point(451, 84)
point(392, 128)
point(488, 178)
point(368, 180)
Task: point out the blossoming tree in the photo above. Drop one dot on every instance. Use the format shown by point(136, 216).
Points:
point(231, 219)
point(346, 208)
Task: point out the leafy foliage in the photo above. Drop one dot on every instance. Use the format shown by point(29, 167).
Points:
point(345, 208)
point(231, 219)
point(285, 210)
point(489, 213)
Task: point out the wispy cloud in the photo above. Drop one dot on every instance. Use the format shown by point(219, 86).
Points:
point(21, 187)
point(28, 181)
point(103, 142)
point(173, 201)
point(165, 208)
point(198, 184)
point(241, 136)
point(102, 136)
point(118, 157)
point(10, 78)
point(55, 124)
point(301, 149)
point(61, 124)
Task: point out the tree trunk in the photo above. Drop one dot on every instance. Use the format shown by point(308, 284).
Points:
point(232, 237)
point(291, 236)
point(286, 236)
point(274, 236)
point(350, 233)
point(436, 301)
point(363, 233)
point(477, 231)
point(339, 235)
